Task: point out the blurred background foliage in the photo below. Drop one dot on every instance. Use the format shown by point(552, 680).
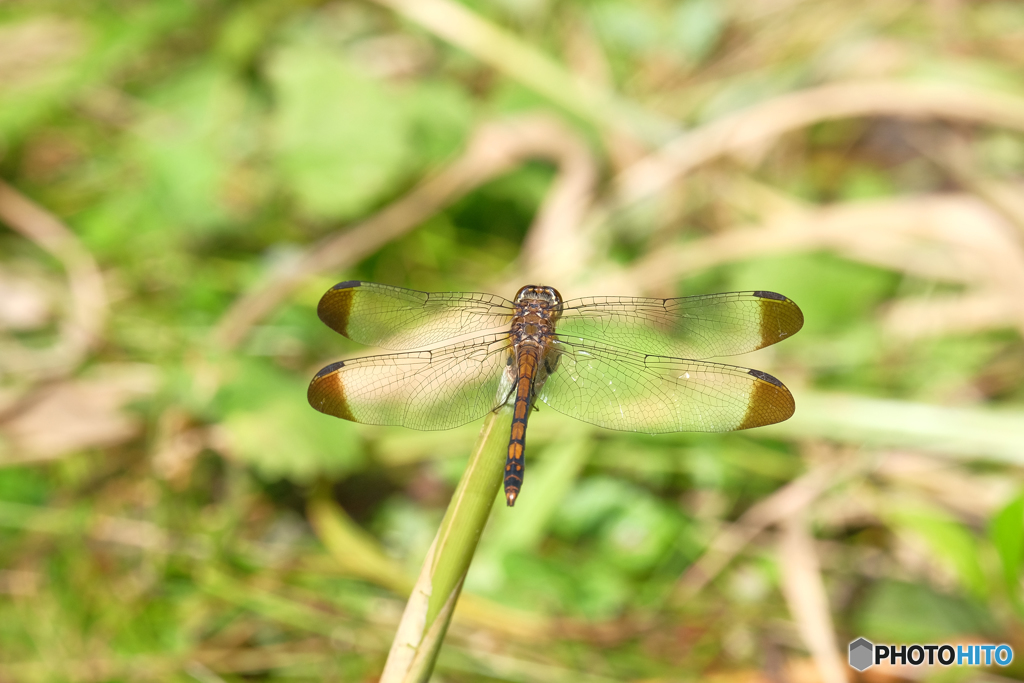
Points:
point(181, 181)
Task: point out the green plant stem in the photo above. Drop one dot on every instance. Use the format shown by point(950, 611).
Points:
point(356, 552)
point(429, 610)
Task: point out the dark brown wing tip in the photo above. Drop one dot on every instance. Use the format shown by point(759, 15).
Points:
point(335, 305)
point(329, 397)
point(781, 318)
point(798, 318)
point(770, 402)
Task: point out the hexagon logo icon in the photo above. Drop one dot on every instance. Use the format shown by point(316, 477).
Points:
point(861, 652)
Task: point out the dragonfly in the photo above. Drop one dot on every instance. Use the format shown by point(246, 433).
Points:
point(623, 363)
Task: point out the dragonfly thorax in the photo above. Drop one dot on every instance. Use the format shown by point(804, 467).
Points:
point(539, 294)
point(537, 308)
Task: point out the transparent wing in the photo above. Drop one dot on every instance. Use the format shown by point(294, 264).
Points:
point(437, 389)
point(631, 391)
point(689, 327)
point(397, 318)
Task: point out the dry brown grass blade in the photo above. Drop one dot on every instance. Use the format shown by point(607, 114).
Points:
point(556, 229)
point(31, 51)
point(943, 315)
point(88, 307)
point(945, 238)
point(765, 122)
point(494, 149)
point(954, 157)
point(972, 496)
point(805, 594)
point(89, 411)
point(17, 582)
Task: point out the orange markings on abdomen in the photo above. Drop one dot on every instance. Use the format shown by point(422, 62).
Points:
point(518, 430)
point(517, 437)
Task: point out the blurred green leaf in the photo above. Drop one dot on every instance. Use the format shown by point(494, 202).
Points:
point(589, 504)
point(1006, 529)
point(834, 293)
point(270, 425)
point(406, 530)
point(600, 592)
point(948, 540)
point(441, 117)
point(23, 485)
point(697, 26)
point(641, 534)
point(549, 482)
point(899, 612)
point(628, 25)
point(705, 466)
point(1001, 152)
point(199, 130)
point(340, 138)
point(936, 367)
point(76, 52)
point(861, 182)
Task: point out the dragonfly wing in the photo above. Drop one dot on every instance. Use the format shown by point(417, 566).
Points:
point(441, 388)
point(397, 318)
point(689, 327)
point(630, 391)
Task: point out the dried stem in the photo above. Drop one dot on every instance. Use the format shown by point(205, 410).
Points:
point(765, 122)
point(88, 308)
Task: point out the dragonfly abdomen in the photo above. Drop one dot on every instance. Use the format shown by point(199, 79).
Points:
point(515, 462)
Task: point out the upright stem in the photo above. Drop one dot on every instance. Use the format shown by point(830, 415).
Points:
point(430, 606)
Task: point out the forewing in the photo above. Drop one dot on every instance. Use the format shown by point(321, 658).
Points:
point(689, 327)
point(437, 389)
point(630, 391)
point(397, 318)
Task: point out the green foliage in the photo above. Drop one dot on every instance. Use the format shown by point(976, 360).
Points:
point(265, 415)
point(836, 295)
point(201, 131)
point(628, 25)
point(340, 139)
point(894, 611)
point(1006, 530)
point(697, 27)
point(23, 485)
point(953, 544)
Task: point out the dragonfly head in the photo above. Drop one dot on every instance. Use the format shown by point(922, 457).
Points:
point(548, 296)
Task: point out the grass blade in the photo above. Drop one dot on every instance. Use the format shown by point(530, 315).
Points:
point(426, 616)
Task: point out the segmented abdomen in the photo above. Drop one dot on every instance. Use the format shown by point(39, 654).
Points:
point(514, 462)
